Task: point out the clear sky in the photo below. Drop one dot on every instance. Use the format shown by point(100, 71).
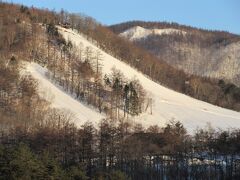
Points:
point(207, 14)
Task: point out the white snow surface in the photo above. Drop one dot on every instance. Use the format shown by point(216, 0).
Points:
point(138, 32)
point(168, 104)
point(59, 98)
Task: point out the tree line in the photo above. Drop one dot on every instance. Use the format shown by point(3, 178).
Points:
point(57, 149)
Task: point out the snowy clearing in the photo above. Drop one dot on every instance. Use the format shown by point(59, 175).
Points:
point(138, 32)
point(60, 99)
point(168, 104)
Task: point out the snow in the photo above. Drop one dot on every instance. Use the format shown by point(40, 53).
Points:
point(168, 104)
point(59, 98)
point(138, 32)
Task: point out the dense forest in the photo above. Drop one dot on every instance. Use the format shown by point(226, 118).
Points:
point(41, 142)
point(56, 149)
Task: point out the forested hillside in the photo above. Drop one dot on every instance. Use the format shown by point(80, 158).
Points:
point(213, 54)
point(38, 141)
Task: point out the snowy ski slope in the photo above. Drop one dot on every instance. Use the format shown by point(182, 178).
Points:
point(168, 104)
point(61, 99)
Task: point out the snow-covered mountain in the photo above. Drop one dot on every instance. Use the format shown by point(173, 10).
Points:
point(168, 104)
point(138, 32)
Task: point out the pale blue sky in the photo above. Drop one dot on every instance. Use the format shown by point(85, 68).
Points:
point(207, 14)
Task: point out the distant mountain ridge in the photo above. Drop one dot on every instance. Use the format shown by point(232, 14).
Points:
point(137, 32)
point(214, 54)
point(121, 27)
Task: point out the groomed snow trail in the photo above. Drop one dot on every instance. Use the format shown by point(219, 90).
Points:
point(60, 99)
point(168, 104)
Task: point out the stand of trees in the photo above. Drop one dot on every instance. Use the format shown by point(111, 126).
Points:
point(78, 70)
point(57, 149)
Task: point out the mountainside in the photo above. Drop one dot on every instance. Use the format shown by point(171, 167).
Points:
point(80, 63)
point(168, 105)
point(212, 54)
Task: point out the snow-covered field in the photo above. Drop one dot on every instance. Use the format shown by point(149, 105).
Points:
point(138, 32)
point(168, 104)
point(60, 99)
